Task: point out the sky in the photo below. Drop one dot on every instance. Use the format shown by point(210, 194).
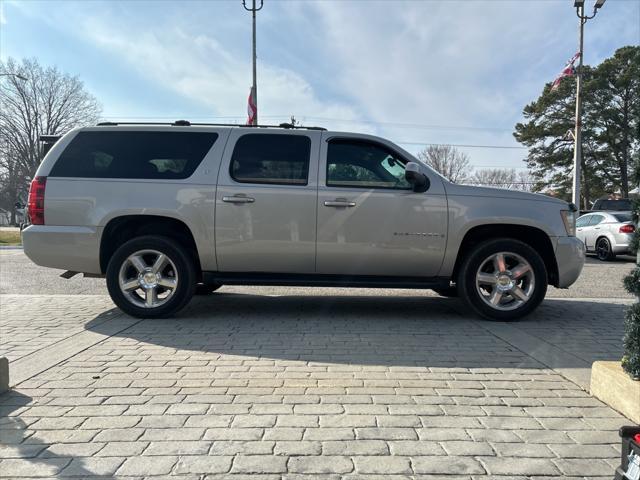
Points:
point(414, 71)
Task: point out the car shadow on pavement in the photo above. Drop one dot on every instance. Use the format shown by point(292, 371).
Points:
point(395, 330)
point(25, 453)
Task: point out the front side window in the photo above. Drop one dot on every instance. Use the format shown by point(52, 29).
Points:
point(362, 164)
point(595, 220)
point(583, 221)
point(271, 158)
point(149, 155)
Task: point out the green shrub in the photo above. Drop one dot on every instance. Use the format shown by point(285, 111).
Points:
point(631, 357)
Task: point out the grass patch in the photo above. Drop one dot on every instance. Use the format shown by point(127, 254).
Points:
point(10, 237)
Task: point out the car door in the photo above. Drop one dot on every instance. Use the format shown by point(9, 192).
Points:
point(266, 202)
point(592, 231)
point(582, 226)
point(370, 221)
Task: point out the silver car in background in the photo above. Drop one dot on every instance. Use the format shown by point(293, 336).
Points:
point(606, 234)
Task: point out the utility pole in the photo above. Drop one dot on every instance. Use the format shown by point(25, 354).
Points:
point(254, 87)
point(577, 150)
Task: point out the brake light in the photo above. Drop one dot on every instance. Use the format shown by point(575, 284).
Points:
point(628, 228)
point(36, 200)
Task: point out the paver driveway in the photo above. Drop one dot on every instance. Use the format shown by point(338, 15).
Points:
point(313, 385)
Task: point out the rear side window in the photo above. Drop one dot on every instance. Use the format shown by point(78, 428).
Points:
point(153, 155)
point(271, 158)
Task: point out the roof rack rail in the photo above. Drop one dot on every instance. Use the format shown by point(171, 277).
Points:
point(186, 123)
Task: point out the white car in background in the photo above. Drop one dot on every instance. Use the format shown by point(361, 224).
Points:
point(606, 234)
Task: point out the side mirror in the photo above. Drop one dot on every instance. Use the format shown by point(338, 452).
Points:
point(415, 177)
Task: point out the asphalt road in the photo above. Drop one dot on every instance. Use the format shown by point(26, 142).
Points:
point(18, 275)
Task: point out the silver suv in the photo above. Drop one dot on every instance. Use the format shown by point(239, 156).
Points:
point(161, 210)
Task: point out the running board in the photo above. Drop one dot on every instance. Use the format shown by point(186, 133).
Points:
point(313, 280)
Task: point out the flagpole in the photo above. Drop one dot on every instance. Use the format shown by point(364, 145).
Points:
point(254, 87)
point(577, 151)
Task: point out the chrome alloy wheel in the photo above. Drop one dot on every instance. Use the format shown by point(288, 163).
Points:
point(505, 281)
point(148, 278)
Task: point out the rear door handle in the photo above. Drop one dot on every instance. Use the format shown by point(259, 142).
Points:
point(339, 202)
point(238, 199)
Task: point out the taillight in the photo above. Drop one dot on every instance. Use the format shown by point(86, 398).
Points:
point(36, 200)
point(627, 228)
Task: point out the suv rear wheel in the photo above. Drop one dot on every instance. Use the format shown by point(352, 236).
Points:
point(503, 279)
point(151, 277)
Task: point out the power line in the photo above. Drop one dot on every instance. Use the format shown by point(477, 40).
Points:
point(457, 145)
point(508, 147)
point(327, 119)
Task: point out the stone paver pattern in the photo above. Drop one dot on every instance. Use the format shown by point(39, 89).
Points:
point(49, 320)
point(361, 385)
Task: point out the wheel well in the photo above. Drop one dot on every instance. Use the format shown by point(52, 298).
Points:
point(121, 229)
point(532, 236)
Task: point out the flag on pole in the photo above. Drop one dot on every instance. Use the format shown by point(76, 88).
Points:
point(568, 71)
point(252, 109)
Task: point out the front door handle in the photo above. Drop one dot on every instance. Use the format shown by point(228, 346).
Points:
point(339, 202)
point(238, 199)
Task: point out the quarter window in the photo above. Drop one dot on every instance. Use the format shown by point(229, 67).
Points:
point(117, 154)
point(271, 158)
point(362, 164)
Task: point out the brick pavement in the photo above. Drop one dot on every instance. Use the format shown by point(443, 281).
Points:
point(312, 387)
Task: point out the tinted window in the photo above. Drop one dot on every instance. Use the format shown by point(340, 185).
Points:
point(595, 220)
point(583, 221)
point(622, 217)
point(270, 158)
point(352, 163)
point(613, 205)
point(158, 155)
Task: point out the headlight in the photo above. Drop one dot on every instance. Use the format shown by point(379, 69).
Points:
point(569, 219)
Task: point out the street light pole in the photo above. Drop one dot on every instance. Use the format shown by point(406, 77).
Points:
point(254, 87)
point(577, 150)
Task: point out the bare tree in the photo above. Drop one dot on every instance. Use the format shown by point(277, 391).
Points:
point(502, 178)
point(447, 161)
point(47, 102)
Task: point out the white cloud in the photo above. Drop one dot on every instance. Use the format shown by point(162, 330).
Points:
point(199, 67)
point(454, 63)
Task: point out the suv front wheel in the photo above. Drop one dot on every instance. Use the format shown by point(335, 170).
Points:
point(151, 277)
point(503, 279)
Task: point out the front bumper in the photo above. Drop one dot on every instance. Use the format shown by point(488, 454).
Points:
point(570, 255)
point(64, 247)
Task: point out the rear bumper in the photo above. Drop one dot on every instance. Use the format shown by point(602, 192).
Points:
point(621, 249)
point(67, 248)
point(570, 255)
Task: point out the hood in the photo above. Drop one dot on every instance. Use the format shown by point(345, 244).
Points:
point(473, 191)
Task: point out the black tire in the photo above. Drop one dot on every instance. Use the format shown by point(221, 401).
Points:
point(206, 288)
point(449, 292)
point(185, 273)
point(472, 264)
point(604, 251)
